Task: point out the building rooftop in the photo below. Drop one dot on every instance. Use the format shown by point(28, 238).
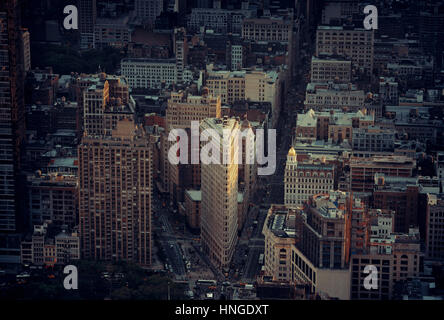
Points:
point(331, 205)
point(195, 195)
point(64, 162)
point(390, 160)
point(149, 60)
point(309, 119)
point(281, 221)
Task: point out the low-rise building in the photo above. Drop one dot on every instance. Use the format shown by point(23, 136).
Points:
point(53, 197)
point(149, 73)
point(400, 194)
point(363, 170)
point(326, 68)
point(344, 96)
point(49, 245)
point(193, 199)
point(267, 29)
point(305, 176)
point(280, 228)
point(217, 19)
point(396, 257)
point(373, 138)
point(333, 126)
point(112, 32)
point(253, 85)
point(388, 91)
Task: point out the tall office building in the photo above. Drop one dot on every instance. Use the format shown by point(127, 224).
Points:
point(180, 51)
point(12, 120)
point(115, 195)
point(148, 10)
point(115, 176)
point(87, 20)
point(355, 44)
point(26, 50)
point(435, 226)
point(219, 217)
point(253, 85)
point(323, 251)
point(103, 92)
point(184, 107)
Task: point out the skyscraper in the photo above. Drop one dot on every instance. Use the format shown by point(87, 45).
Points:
point(87, 20)
point(356, 44)
point(105, 91)
point(148, 10)
point(115, 177)
point(183, 108)
point(219, 197)
point(115, 195)
point(180, 50)
point(12, 121)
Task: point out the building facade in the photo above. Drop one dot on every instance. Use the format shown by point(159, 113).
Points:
point(12, 121)
point(280, 234)
point(435, 227)
point(319, 96)
point(149, 73)
point(333, 126)
point(87, 20)
point(374, 138)
point(115, 187)
point(362, 171)
point(253, 85)
point(53, 197)
point(330, 68)
point(148, 10)
point(47, 247)
point(353, 43)
point(306, 176)
point(267, 29)
point(219, 216)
